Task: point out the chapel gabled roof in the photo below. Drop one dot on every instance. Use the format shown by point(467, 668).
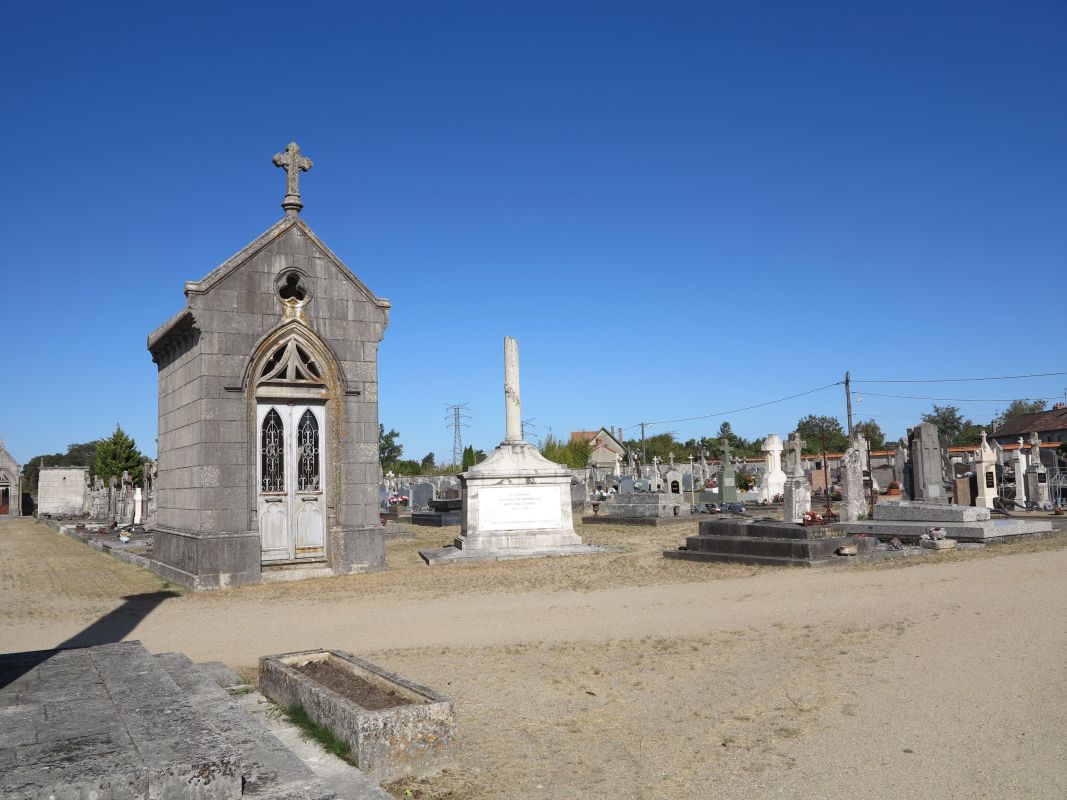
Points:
point(234, 262)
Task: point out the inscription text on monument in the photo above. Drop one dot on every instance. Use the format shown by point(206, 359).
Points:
point(513, 508)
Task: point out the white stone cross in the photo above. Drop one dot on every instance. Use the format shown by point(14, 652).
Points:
point(293, 163)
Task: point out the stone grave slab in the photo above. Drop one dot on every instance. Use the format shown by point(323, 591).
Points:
point(771, 542)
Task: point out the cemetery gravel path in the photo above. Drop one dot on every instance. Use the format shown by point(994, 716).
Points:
point(945, 678)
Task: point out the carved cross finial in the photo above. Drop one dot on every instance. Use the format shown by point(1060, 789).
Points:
point(293, 163)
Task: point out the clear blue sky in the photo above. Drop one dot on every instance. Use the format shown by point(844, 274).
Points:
point(677, 208)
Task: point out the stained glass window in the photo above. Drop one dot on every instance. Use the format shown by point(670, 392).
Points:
point(273, 453)
point(308, 442)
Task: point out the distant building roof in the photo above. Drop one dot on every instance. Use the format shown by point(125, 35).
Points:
point(1053, 420)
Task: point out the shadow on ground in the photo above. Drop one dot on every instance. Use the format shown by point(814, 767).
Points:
point(112, 627)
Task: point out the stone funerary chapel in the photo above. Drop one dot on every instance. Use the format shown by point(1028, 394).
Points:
point(268, 414)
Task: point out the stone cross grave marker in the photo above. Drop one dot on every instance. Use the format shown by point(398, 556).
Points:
point(727, 475)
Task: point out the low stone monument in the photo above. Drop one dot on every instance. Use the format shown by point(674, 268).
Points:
point(796, 494)
point(765, 541)
point(516, 503)
point(909, 521)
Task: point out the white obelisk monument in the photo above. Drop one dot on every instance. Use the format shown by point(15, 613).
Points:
point(516, 503)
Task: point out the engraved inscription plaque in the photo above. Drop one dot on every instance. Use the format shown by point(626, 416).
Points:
point(516, 508)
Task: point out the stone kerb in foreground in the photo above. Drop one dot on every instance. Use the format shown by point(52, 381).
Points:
point(412, 736)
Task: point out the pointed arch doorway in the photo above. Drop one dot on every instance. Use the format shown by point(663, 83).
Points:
point(291, 397)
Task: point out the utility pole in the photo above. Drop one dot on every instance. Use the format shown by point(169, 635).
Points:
point(643, 442)
point(455, 412)
point(848, 402)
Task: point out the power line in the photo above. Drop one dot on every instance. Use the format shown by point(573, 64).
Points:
point(455, 411)
point(951, 399)
point(736, 410)
point(965, 380)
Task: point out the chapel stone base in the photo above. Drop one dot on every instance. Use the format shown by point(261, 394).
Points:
point(212, 561)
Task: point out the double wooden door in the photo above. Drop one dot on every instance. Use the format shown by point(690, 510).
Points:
point(291, 471)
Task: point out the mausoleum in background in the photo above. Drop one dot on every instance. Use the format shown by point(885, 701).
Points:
point(268, 414)
point(10, 485)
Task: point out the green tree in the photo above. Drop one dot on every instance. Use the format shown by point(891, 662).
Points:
point(117, 454)
point(471, 456)
point(389, 449)
point(77, 455)
point(969, 435)
point(822, 434)
point(951, 424)
point(1017, 408)
point(407, 466)
point(574, 453)
point(427, 464)
point(661, 445)
point(872, 432)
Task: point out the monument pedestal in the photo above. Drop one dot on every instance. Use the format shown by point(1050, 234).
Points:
point(516, 498)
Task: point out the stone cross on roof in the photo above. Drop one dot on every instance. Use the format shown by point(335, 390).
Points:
point(293, 163)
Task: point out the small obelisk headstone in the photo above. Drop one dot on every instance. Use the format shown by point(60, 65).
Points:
point(986, 475)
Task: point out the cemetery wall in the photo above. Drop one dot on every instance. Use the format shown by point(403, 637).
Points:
point(61, 491)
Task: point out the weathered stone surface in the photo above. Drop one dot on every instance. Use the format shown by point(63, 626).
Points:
point(937, 544)
point(854, 504)
point(387, 744)
point(114, 726)
point(727, 475)
point(929, 512)
point(796, 501)
point(646, 504)
point(927, 468)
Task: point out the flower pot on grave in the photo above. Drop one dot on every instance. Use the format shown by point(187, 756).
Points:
point(596, 508)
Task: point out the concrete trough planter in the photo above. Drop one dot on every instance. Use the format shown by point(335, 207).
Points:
point(414, 737)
